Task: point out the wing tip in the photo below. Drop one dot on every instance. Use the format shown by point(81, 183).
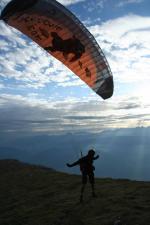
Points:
point(107, 88)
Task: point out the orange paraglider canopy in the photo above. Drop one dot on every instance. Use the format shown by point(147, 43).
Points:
point(61, 34)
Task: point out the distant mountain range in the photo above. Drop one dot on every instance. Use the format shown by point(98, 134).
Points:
point(124, 153)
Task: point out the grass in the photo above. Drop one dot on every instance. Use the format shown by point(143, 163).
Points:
point(35, 195)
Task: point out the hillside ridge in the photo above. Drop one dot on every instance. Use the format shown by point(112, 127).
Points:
point(37, 195)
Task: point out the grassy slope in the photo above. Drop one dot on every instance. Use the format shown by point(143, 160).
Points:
point(35, 195)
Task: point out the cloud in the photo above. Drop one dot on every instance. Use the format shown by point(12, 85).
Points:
point(126, 45)
point(91, 6)
point(70, 2)
point(127, 2)
point(128, 105)
point(23, 60)
point(3, 3)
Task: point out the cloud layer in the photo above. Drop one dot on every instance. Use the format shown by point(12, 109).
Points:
point(33, 115)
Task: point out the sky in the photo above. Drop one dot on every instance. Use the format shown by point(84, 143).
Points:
point(40, 96)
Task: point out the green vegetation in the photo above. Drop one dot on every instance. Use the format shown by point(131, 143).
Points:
point(35, 195)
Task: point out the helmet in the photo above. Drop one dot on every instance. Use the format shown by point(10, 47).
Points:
point(91, 152)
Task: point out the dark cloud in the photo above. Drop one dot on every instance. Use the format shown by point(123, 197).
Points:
point(86, 117)
point(137, 30)
point(115, 47)
point(135, 116)
point(130, 105)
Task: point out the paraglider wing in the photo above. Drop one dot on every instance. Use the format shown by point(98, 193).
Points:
point(61, 34)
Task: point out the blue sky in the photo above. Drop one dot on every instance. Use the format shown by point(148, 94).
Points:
point(40, 89)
